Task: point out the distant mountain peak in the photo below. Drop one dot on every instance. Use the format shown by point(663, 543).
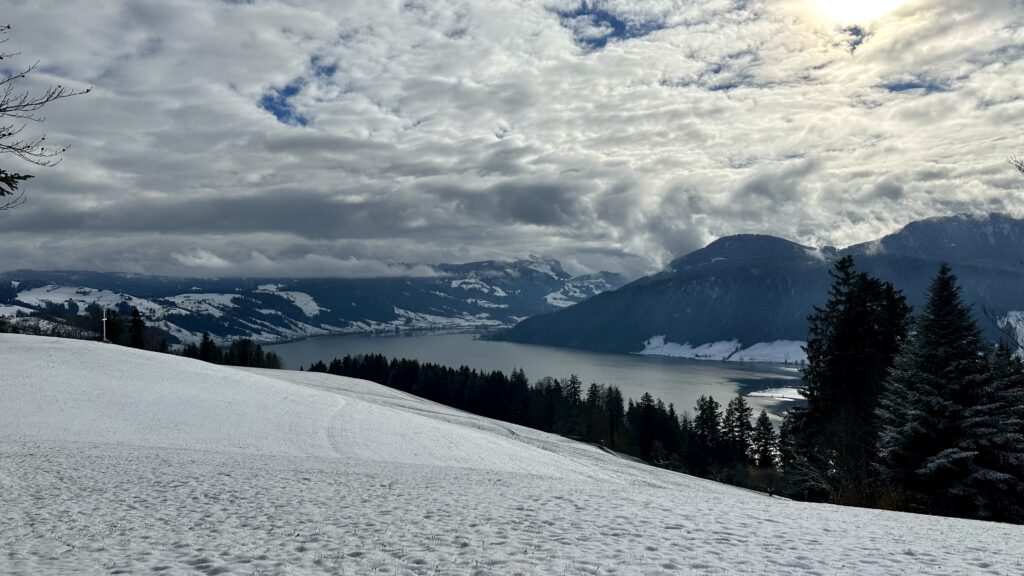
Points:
point(744, 247)
point(994, 239)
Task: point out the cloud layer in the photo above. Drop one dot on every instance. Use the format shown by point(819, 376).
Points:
point(375, 137)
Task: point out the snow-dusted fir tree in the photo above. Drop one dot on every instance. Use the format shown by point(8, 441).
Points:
point(994, 432)
point(938, 378)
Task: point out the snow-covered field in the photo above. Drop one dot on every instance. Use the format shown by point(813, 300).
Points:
point(116, 461)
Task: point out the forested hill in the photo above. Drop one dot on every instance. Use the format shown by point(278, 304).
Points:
point(741, 291)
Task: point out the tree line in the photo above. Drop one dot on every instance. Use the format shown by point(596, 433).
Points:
point(917, 413)
point(729, 446)
point(130, 329)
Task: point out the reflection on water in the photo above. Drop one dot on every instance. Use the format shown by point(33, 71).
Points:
point(673, 380)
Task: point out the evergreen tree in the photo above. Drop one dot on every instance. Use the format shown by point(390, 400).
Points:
point(115, 327)
point(595, 418)
point(191, 351)
point(926, 443)
point(707, 435)
point(136, 330)
point(272, 361)
point(737, 431)
point(616, 414)
point(765, 441)
point(208, 349)
point(851, 345)
point(994, 433)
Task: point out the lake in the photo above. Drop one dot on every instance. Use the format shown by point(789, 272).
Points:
point(673, 380)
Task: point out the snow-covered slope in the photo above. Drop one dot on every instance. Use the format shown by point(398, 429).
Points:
point(121, 461)
point(477, 295)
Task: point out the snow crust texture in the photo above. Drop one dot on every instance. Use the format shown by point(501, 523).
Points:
point(116, 461)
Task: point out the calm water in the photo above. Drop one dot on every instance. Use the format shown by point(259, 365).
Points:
point(673, 380)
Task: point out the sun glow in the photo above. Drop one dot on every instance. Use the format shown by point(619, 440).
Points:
point(855, 11)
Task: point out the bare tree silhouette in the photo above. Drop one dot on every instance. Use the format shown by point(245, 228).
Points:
point(17, 109)
point(1017, 162)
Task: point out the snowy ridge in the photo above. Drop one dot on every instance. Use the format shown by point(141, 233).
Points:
point(780, 351)
point(129, 461)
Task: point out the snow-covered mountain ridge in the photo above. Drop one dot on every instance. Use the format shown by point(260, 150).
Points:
point(477, 295)
point(119, 460)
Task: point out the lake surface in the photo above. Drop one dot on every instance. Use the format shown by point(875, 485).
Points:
point(673, 380)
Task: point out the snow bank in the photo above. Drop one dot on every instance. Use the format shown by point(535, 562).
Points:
point(114, 460)
point(789, 351)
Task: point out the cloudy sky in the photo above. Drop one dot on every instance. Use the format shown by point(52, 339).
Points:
point(348, 137)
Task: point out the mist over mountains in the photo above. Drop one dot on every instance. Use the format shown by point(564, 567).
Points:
point(751, 289)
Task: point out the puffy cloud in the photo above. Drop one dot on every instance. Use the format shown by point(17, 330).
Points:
point(378, 137)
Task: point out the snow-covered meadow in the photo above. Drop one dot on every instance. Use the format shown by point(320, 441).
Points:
point(117, 461)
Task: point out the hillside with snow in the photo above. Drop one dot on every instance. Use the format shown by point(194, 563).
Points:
point(120, 461)
point(473, 296)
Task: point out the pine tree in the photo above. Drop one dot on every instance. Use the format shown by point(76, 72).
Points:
point(737, 431)
point(136, 330)
point(208, 349)
point(765, 441)
point(115, 327)
point(938, 378)
point(595, 416)
point(994, 432)
point(616, 414)
point(851, 345)
point(707, 435)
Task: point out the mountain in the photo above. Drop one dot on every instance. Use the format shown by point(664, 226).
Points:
point(995, 240)
point(462, 296)
point(120, 460)
point(743, 297)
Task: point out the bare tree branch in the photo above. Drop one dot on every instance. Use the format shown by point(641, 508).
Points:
point(17, 109)
point(1017, 162)
point(14, 202)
